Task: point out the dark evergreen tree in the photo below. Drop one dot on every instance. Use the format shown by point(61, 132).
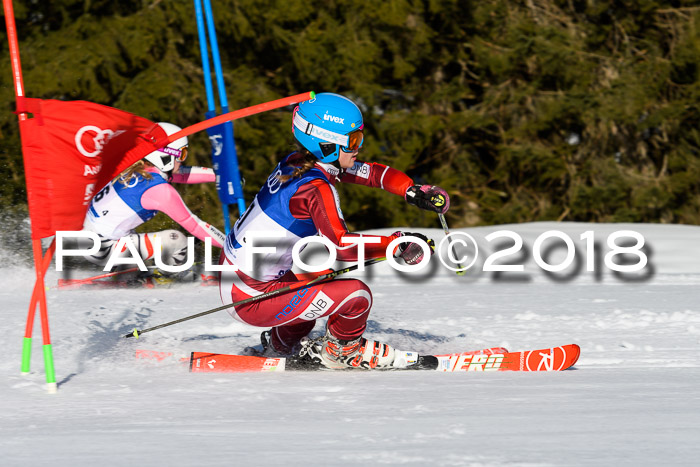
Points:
point(524, 110)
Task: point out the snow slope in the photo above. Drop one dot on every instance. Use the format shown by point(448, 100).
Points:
point(632, 399)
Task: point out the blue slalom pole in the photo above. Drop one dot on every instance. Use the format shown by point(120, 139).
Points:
point(215, 138)
point(205, 56)
point(225, 159)
point(231, 177)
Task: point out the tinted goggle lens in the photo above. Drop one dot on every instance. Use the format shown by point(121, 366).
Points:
point(355, 140)
point(179, 154)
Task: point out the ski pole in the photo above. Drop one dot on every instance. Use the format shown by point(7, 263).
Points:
point(71, 282)
point(298, 285)
point(63, 283)
point(451, 244)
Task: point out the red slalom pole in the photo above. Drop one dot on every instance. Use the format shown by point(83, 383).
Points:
point(46, 336)
point(41, 261)
point(236, 114)
point(45, 262)
point(141, 150)
point(14, 51)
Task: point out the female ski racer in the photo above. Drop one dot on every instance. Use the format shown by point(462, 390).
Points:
point(297, 201)
point(139, 193)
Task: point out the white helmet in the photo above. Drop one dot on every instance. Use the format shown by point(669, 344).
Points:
point(165, 157)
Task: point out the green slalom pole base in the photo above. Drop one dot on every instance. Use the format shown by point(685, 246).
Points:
point(51, 385)
point(26, 355)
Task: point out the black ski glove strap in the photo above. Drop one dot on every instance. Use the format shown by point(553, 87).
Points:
point(428, 197)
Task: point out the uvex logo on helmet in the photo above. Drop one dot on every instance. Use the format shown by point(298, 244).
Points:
point(332, 118)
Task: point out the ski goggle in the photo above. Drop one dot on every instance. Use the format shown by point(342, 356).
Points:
point(179, 154)
point(347, 143)
point(355, 139)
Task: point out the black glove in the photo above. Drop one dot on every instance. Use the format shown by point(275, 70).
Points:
point(412, 252)
point(429, 197)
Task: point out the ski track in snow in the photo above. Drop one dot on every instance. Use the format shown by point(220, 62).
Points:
point(632, 398)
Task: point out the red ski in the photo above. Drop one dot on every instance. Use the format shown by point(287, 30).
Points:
point(495, 359)
point(157, 356)
point(553, 359)
point(110, 281)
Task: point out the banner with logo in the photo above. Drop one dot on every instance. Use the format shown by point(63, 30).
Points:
point(228, 178)
point(71, 150)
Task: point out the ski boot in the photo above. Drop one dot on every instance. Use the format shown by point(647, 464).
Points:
point(337, 354)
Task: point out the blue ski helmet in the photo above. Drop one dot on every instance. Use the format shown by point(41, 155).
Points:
point(327, 123)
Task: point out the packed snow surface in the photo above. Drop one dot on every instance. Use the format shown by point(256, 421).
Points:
point(633, 398)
